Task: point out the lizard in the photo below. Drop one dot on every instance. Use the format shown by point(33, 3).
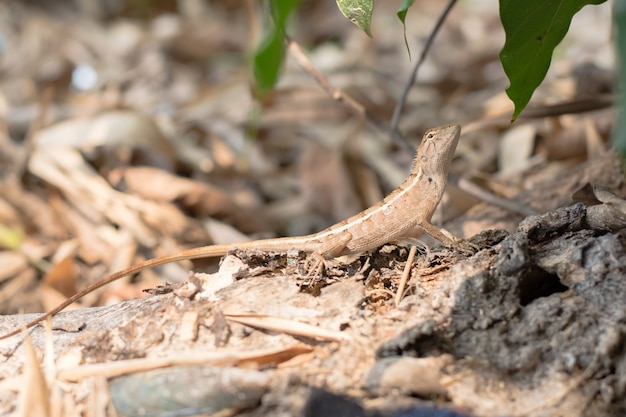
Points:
point(411, 204)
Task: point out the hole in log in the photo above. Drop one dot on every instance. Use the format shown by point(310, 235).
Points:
point(537, 283)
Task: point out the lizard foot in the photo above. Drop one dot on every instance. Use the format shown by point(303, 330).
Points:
point(313, 282)
point(465, 246)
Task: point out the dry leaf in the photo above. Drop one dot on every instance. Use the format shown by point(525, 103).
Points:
point(35, 395)
point(62, 274)
point(11, 263)
point(118, 128)
point(159, 185)
point(230, 357)
point(516, 148)
point(288, 326)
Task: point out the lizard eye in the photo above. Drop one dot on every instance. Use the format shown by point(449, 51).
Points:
point(430, 136)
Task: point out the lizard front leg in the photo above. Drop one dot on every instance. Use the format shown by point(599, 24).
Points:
point(447, 238)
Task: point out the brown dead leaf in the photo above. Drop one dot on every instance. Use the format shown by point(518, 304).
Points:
point(329, 190)
point(516, 148)
point(579, 137)
point(51, 298)
point(279, 356)
point(11, 226)
point(11, 263)
point(116, 128)
point(94, 241)
point(14, 294)
point(595, 143)
point(62, 276)
point(207, 200)
point(31, 211)
point(66, 169)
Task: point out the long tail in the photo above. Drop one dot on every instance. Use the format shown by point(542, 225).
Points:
point(195, 253)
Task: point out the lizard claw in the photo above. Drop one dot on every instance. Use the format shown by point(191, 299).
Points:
point(450, 240)
point(465, 246)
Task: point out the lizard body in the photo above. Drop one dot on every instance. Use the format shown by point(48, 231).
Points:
point(411, 204)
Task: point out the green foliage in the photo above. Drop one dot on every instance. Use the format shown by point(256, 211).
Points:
point(358, 12)
point(533, 29)
point(619, 134)
point(267, 61)
point(404, 8)
point(268, 57)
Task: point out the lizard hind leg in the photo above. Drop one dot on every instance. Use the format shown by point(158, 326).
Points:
point(331, 248)
point(318, 265)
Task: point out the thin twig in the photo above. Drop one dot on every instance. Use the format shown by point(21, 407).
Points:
point(405, 93)
point(571, 106)
point(405, 275)
point(354, 106)
point(484, 195)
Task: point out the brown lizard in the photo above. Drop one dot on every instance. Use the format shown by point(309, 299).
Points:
point(411, 204)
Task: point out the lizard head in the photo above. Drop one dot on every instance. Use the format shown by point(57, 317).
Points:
point(436, 151)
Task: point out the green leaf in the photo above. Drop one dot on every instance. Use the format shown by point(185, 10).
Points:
point(268, 58)
point(533, 29)
point(281, 10)
point(267, 61)
point(402, 11)
point(619, 133)
point(358, 12)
